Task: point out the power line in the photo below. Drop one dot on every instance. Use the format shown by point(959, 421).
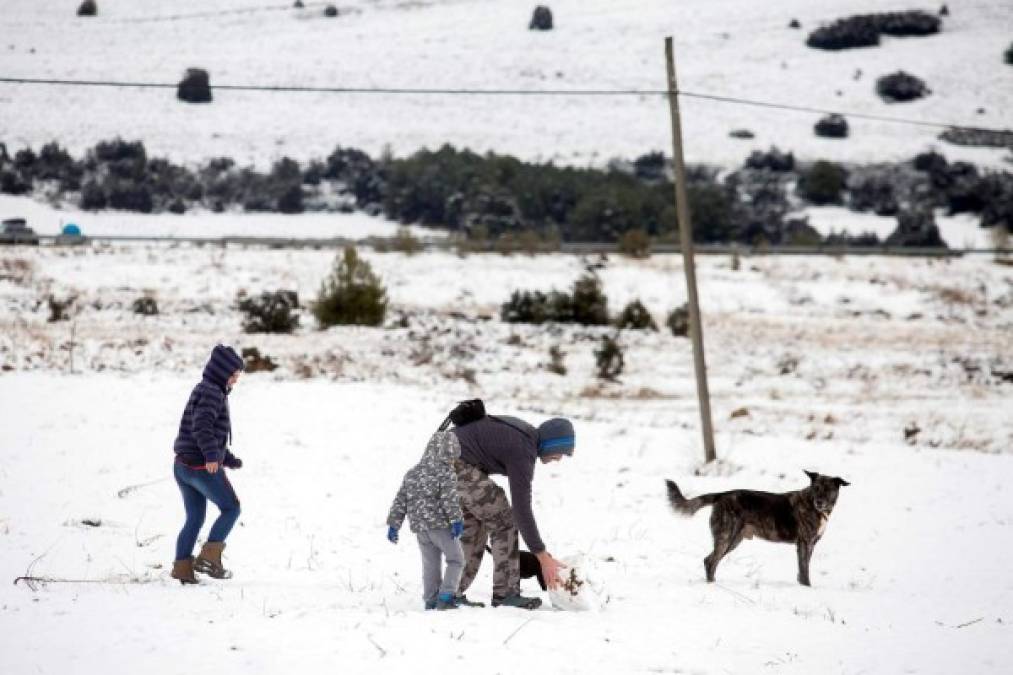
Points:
point(437, 91)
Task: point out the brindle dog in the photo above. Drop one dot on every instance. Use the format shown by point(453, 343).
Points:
point(798, 518)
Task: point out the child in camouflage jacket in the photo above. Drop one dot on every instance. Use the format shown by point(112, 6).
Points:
point(428, 496)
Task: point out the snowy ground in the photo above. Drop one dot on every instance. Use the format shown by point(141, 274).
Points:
point(733, 48)
point(832, 358)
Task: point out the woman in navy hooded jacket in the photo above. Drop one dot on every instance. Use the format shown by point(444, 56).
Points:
point(201, 447)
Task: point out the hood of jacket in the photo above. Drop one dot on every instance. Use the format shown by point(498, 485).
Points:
point(222, 364)
point(442, 448)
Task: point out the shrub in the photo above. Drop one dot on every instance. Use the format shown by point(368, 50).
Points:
point(556, 360)
point(195, 87)
point(59, 310)
point(1008, 54)
point(822, 183)
point(773, 159)
point(254, 362)
point(848, 240)
point(541, 19)
point(869, 191)
point(917, 229)
point(270, 312)
point(12, 183)
point(832, 126)
point(87, 8)
point(650, 167)
point(405, 242)
point(635, 244)
point(351, 294)
point(145, 306)
point(128, 195)
point(901, 86)
point(609, 358)
point(537, 307)
point(636, 316)
point(864, 30)
point(330, 11)
point(856, 31)
point(794, 23)
point(678, 321)
point(590, 306)
point(92, 197)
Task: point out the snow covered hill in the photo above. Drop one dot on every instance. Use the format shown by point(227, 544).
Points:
point(886, 372)
point(724, 47)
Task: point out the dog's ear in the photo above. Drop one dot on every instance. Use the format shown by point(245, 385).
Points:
point(812, 475)
point(841, 482)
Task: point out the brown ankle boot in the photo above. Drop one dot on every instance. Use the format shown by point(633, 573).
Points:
point(183, 570)
point(209, 560)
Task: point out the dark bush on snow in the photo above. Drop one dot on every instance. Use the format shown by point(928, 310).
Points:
point(609, 359)
point(145, 306)
point(330, 11)
point(901, 86)
point(12, 183)
point(586, 304)
point(916, 229)
point(351, 294)
point(856, 31)
point(541, 19)
point(773, 160)
point(871, 191)
point(195, 87)
point(93, 198)
point(1008, 54)
point(832, 126)
point(255, 362)
point(270, 312)
point(87, 8)
point(678, 321)
point(822, 183)
point(864, 30)
point(636, 316)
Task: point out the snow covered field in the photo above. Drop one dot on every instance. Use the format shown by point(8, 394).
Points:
point(832, 358)
point(733, 48)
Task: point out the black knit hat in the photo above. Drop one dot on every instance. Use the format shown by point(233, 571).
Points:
point(224, 362)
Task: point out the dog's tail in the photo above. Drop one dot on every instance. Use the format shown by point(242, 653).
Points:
point(683, 506)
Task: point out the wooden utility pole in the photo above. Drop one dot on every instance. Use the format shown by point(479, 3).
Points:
point(686, 244)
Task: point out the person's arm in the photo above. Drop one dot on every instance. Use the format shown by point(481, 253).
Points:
point(205, 413)
point(398, 509)
point(520, 475)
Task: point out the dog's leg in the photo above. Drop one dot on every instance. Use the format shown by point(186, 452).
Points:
point(724, 542)
point(805, 553)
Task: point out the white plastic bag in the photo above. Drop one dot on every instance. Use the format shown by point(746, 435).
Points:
point(578, 592)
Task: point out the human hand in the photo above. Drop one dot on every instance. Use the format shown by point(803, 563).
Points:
point(233, 462)
point(212, 467)
point(550, 569)
point(392, 534)
point(456, 529)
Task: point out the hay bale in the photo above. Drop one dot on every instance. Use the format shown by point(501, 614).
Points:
point(195, 87)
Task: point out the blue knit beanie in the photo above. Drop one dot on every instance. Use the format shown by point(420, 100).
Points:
point(556, 437)
point(224, 362)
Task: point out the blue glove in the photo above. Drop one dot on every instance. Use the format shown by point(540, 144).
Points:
point(456, 529)
point(392, 534)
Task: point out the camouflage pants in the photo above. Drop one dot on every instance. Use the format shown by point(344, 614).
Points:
point(487, 515)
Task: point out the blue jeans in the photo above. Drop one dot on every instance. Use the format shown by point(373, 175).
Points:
point(198, 488)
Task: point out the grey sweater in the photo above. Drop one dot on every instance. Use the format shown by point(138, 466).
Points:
point(507, 446)
point(428, 493)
